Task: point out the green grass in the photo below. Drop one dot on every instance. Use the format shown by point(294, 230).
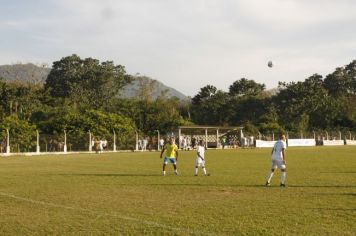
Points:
point(125, 194)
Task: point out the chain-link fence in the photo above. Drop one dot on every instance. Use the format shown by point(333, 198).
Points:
point(68, 141)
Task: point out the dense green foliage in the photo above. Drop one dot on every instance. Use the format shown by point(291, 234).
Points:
point(125, 194)
point(86, 82)
point(312, 104)
point(82, 95)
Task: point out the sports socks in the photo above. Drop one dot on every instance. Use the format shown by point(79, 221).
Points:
point(283, 177)
point(270, 177)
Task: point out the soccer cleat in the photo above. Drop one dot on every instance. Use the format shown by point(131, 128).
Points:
point(207, 174)
point(268, 184)
point(282, 185)
point(176, 173)
point(195, 175)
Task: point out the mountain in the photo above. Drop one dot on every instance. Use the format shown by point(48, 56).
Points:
point(24, 73)
point(154, 88)
point(38, 74)
point(271, 92)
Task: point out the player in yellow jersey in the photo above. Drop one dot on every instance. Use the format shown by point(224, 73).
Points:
point(171, 155)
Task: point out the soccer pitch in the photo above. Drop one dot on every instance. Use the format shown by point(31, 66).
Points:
point(125, 194)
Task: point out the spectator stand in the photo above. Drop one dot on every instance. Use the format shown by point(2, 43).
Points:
point(213, 136)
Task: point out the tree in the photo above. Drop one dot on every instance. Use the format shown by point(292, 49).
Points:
point(204, 93)
point(337, 83)
point(150, 115)
point(350, 72)
point(342, 82)
point(162, 115)
point(22, 133)
point(210, 107)
point(20, 98)
point(86, 82)
point(308, 98)
point(245, 87)
point(249, 109)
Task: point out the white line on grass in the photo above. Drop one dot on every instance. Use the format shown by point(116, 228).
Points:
point(100, 214)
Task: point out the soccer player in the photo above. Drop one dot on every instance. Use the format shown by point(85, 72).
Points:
point(279, 160)
point(171, 155)
point(200, 160)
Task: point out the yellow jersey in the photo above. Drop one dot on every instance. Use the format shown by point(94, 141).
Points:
point(171, 150)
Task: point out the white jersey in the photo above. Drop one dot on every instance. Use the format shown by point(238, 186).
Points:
point(200, 152)
point(277, 150)
point(161, 142)
point(101, 143)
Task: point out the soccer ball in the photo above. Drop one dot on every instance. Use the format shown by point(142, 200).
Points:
point(270, 64)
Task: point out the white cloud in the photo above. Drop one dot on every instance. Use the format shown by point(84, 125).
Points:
point(296, 14)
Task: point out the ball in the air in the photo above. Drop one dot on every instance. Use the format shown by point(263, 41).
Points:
point(270, 64)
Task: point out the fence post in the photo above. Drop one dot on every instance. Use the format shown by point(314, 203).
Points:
point(7, 142)
point(206, 137)
point(158, 138)
point(114, 145)
point(136, 146)
point(65, 142)
point(90, 142)
point(38, 142)
point(179, 134)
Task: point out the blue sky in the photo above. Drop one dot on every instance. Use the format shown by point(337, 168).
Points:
point(186, 44)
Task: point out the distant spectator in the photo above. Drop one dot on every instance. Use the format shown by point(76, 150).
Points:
point(161, 143)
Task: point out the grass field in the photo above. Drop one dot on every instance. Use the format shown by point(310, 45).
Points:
point(125, 194)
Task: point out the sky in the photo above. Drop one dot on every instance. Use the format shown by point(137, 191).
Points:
point(186, 44)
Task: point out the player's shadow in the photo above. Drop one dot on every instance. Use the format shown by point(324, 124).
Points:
point(332, 209)
point(337, 194)
point(109, 175)
point(338, 172)
point(293, 186)
point(322, 186)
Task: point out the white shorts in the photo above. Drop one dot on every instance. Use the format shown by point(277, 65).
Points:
point(278, 164)
point(199, 162)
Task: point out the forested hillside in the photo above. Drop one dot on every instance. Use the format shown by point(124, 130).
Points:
point(80, 96)
point(37, 74)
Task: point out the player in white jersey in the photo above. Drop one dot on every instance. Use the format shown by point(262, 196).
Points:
point(200, 160)
point(279, 160)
